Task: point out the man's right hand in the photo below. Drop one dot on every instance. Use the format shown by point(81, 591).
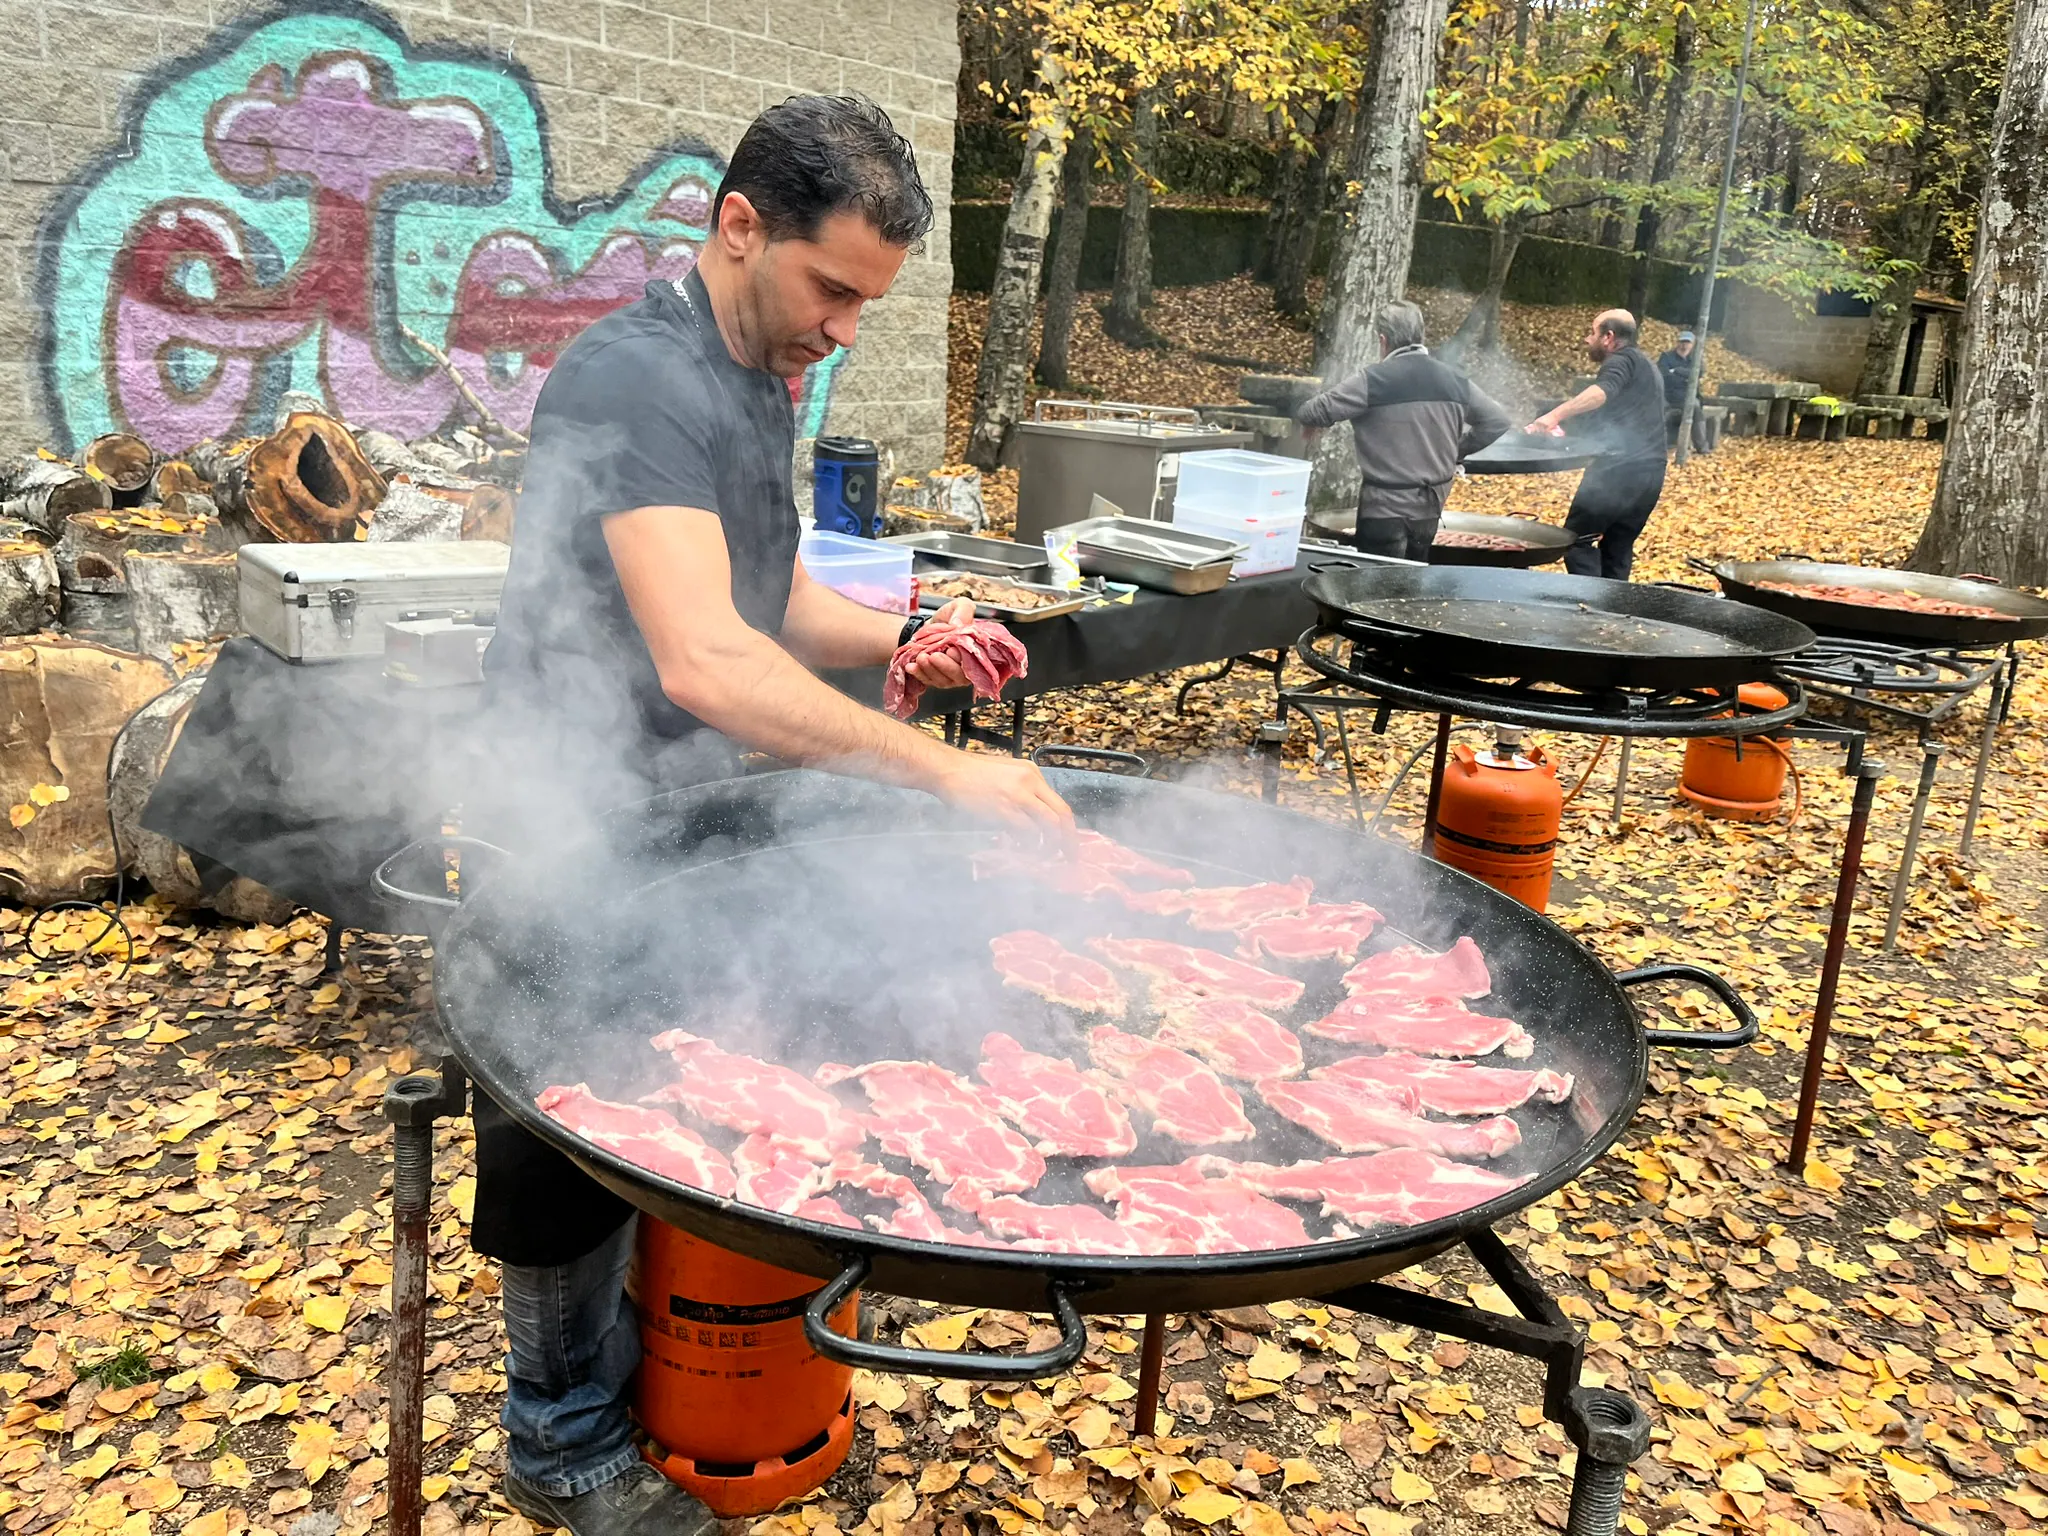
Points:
point(1008, 790)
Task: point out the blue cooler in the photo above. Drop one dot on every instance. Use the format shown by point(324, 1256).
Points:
point(844, 472)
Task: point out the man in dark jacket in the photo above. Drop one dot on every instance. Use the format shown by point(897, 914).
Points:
point(1617, 495)
point(1413, 418)
point(1676, 367)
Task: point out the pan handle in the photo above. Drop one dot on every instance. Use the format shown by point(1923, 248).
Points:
point(383, 877)
point(1696, 1039)
point(1706, 566)
point(836, 1346)
point(1048, 756)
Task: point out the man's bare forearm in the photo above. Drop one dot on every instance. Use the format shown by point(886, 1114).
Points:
point(1591, 398)
point(821, 628)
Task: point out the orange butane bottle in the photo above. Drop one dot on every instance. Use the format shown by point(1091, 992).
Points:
point(1498, 815)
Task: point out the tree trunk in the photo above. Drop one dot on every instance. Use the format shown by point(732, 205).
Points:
point(43, 492)
point(1371, 270)
point(1296, 254)
point(90, 555)
point(1892, 315)
point(181, 595)
point(306, 483)
point(1013, 296)
point(29, 593)
point(1990, 512)
point(1480, 329)
point(125, 463)
point(1057, 334)
point(1650, 218)
point(1125, 317)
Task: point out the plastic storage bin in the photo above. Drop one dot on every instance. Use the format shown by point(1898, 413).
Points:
point(1274, 537)
point(1237, 480)
point(873, 575)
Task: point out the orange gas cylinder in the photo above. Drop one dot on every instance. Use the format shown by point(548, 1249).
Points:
point(1741, 783)
point(739, 1408)
point(1497, 817)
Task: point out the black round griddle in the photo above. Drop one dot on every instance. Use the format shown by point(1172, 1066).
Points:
point(803, 918)
point(1544, 542)
point(1524, 453)
point(1743, 580)
point(1576, 631)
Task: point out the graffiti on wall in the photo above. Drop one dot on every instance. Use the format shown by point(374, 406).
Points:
point(288, 205)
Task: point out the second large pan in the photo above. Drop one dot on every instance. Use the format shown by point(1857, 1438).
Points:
point(2026, 616)
point(1577, 631)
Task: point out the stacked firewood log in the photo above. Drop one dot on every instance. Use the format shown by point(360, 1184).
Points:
point(117, 564)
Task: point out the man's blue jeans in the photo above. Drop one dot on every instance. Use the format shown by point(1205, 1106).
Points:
point(575, 1344)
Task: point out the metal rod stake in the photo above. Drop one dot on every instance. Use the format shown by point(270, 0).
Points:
point(1902, 882)
point(1151, 1358)
point(1612, 1432)
point(1999, 686)
point(1867, 774)
point(1436, 785)
point(1628, 751)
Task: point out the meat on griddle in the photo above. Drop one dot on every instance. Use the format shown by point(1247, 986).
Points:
point(1106, 853)
point(1228, 1033)
point(1453, 1087)
point(1426, 1026)
point(751, 1096)
point(1066, 1112)
point(774, 1174)
point(1358, 1116)
point(1226, 908)
point(1409, 971)
point(1186, 1100)
point(913, 1216)
point(1322, 930)
point(642, 1136)
point(1204, 1215)
point(1875, 597)
point(1037, 962)
point(1399, 1189)
point(1073, 1228)
point(1202, 971)
point(1450, 539)
point(946, 1126)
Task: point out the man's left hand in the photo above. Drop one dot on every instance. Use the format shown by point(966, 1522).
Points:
point(939, 670)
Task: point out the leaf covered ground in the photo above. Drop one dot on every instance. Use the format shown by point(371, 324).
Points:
point(194, 1248)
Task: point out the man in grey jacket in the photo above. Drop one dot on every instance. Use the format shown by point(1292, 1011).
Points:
point(1413, 419)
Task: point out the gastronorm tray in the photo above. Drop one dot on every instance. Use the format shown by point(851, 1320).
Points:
point(1156, 555)
point(1068, 602)
point(1002, 558)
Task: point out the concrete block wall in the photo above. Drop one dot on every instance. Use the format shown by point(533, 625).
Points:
point(207, 203)
point(1822, 349)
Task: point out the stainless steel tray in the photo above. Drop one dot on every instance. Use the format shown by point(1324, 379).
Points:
point(1069, 602)
point(1156, 555)
point(1004, 558)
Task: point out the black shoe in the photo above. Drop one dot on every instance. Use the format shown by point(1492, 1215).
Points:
point(638, 1502)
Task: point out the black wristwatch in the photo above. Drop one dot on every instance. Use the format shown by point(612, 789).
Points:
point(911, 626)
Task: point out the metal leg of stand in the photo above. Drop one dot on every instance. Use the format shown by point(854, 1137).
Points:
point(1271, 741)
point(412, 1104)
point(2000, 685)
point(1350, 770)
point(1867, 774)
point(1628, 750)
point(330, 958)
point(1151, 1361)
point(1436, 785)
point(1180, 699)
point(1902, 882)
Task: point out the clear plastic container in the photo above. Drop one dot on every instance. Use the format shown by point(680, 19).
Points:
point(1243, 481)
point(1274, 537)
point(873, 575)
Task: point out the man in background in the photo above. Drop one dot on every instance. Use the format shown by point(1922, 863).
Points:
point(1413, 418)
point(1676, 366)
point(1616, 496)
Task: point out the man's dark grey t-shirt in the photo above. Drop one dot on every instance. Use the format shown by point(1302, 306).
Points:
point(645, 409)
point(1631, 424)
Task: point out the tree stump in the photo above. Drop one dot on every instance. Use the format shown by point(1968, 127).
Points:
point(179, 595)
point(410, 514)
point(65, 700)
point(91, 547)
point(124, 463)
point(175, 476)
point(138, 763)
point(307, 483)
point(29, 593)
point(43, 492)
point(104, 618)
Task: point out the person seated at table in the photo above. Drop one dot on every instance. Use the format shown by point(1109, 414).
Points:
point(1413, 418)
point(1676, 367)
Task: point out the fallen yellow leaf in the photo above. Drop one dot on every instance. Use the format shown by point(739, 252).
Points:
point(1206, 1506)
point(1296, 1470)
point(1269, 1362)
point(1411, 1489)
point(327, 1313)
point(1091, 1427)
point(1820, 1176)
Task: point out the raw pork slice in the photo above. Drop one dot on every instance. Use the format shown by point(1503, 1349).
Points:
point(1232, 1036)
point(1072, 1228)
point(752, 1097)
point(1427, 1026)
point(1400, 1189)
point(1114, 858)
point(988, 653)
point(1202, 971)
point(945, 1125)
point(642, 1136)
point(1069, 1112)
point(774, 1174)
point(1225, 908)
point(1359, 1117)
point(1039, 963)
point(829, 1211)
point(1067, 877)
point(1202, 1215)
point(1324, 930)
point(913, 1217)
point(1454, 1087)
point(1459, 971)
point(1185, 1099)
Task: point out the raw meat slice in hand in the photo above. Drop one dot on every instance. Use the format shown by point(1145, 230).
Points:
point(1408, 972)
point(1072, 1228)
point(1231, 1035)
point(752, 1097)
point(1039, 963)
point(1323, 931)
point(988, 653)
point(1185, 1099)
point(1114, 858)
point(1069, 1113)
point(642, 1136)
point(774, 1174)
point(1453, 1087)
point(1360, 1117)
point(1428, 1026)
point(1226, 908)
point(1202, 971)
point(945, 1125)
point(1401, 1188)
point(1202, 1215)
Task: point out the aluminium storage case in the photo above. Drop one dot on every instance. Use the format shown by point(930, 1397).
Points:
point(330, 602)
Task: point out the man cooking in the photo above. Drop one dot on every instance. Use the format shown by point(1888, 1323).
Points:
point(655, 623)
point(1676, 367)
point(1617, 495)
point(1412, 418)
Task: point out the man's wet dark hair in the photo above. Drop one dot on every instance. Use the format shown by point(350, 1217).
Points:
point(813, 156)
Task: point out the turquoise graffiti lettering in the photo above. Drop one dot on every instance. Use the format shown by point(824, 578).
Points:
point(291, 203)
